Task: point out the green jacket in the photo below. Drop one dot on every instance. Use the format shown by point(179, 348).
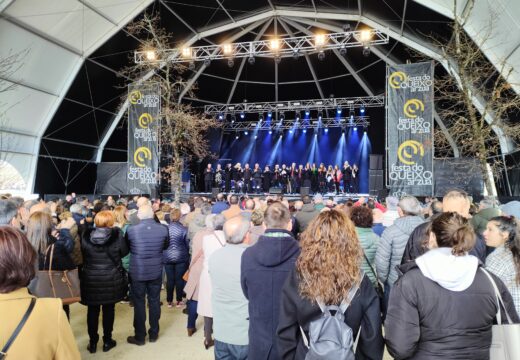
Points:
point(369, 241)
point(126, 259)
point(480, 219)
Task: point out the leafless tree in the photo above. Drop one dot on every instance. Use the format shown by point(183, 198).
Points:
point(474, 130)
point(183, 129)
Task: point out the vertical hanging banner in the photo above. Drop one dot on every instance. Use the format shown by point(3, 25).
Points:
point(409, 124)
point(143, 135)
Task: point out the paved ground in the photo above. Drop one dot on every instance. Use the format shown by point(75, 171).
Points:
point(173, 341)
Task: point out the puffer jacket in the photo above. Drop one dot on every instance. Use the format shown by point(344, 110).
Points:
point(391, 247)
point(102, 279)
point(147, 241)
point(427, 321)
point(306, 215)
point(179, 249)
point(61, 257)
point(369, 241)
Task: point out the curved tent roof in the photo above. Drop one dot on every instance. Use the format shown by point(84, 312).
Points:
point(67, 102)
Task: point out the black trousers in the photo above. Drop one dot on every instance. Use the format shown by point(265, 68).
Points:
point(208, 185)
point(93, 321)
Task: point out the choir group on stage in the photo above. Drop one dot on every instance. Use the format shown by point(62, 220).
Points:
point(288, 178)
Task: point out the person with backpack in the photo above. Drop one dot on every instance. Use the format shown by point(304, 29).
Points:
point(327, 304)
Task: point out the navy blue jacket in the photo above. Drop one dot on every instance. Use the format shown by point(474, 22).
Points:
point(264, 269)
point(146, 242)
point(179, 249)
point(218, 207)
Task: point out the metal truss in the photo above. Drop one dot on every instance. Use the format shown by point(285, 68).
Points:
point(274, 125)
point(275, 47)
point(297, 105)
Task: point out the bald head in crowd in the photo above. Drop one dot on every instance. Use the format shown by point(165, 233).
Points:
point(278, 216)
point(142, 201)
point(236, 230)
point(456, 201)
point(145, 212)
point(250, 205)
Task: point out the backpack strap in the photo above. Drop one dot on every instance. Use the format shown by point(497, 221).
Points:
point(3, 352)
point(346, 302)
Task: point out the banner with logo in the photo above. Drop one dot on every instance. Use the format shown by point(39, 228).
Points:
point(143, 135)
point(410, 129)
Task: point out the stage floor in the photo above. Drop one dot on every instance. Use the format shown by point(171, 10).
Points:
point(290, 197)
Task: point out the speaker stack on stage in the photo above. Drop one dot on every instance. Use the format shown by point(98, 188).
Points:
point(376, 184)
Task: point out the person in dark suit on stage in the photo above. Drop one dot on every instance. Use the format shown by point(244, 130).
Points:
point(307, 176)
point(208, 178)
point(248, 175)
point(347, 177)
point(228, 176)
point(314, 178)
point(266, 178)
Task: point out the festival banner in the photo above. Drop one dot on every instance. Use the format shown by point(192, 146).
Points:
point(409, 124)
point(143, 135)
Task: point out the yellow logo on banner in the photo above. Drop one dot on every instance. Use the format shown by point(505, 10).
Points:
point(396, 78)
point(412, 106)
point(142, 154)
point(144, 120)
point(134, 97)
point(404, 155)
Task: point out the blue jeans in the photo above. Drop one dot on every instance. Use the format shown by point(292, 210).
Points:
point(192, 313)
point(174, 272)
point(141, 289)
point(224, 351)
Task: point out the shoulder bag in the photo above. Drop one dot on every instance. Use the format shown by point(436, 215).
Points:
point(505, 344)
point(3, 352)
point(58, 284)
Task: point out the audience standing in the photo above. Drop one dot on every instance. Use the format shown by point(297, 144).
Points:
point(307, 213)
point(234, 209)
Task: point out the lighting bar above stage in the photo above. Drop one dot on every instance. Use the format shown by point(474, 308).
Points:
point(273, 125)
point(297, 105)
point(273, 47)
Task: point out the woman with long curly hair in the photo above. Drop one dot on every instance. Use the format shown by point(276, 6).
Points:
point(327, 269)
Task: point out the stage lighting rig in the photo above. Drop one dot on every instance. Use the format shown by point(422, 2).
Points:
point(270, 48)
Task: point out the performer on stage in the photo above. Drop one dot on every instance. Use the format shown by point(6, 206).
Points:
point(248, 175)
point(219, 176)
point(355, 179)
point(314, 178)
point(208, 178)
point(322, 179)
point(266, 178)
point(299, 179)
point(293, 179)
point(284, 176)
point(257, 178)
point(276, 179)
point(347, 177)
point(337, 175)
point(330, 179)
point(306, 176)
point(228, 176)
point(238, 177)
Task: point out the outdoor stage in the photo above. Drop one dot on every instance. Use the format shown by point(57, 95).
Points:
point(339, 198)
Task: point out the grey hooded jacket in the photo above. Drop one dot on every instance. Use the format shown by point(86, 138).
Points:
point(391, 247)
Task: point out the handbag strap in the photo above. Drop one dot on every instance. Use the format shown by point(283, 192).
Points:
point(500, 302)
point(195, 259)
point(369, 264)
point(51, 248)
point(19, 328)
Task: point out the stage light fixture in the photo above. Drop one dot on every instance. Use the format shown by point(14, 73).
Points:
point(242, 115)
point(305, 131)
point(321, 56)
point(274, 44)
point(207, 62)
point(339, 111)
point(186, 52)
point(230, 63)
point(319, 40)
point(260, 118)
point(251, 60)
point(320, 115)
point(297, 116)
point(227, 49)
point(291, 131)
point(151, 55)
point(191, 66)
point(326, 130)
point(281, 135)
point(256, 136)
point(365, 35)
point(233, 118)
point(307, 112)
point(236, 137)
point(270, 132)
point(362, 111)
point(366, 51)
point(296, 55)
point(221, 116)
point(246, 133)
point(355, 128)
point(315, 134)
point(269, 114)
point(282, 117)
point(343, 51)
point(277, 59)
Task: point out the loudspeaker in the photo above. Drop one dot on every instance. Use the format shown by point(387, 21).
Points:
point(215, 192)
point(304, 190)
point(376, 162)
point(275, 190)
point(375, 181)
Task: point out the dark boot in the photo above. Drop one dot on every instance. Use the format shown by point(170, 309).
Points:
point(109, 344)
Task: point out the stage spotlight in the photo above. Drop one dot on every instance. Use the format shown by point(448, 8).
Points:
point(270, 132)
point(207, 62)
point(291, 131)
point(315, 134)
point(269, 114)
point(256, 136)
point(365, 35)
point(321, 56)
point(320, 115)
point(227, 49)
point(230, 63)
point(296, 55)
point(221, 116)
point(355, 128)
point(297, 116)
point(246, 133)
point(343, 131)
point(305, 131)
point(251, 60)
point(307, 112)
point(186, 52)
point(242, 115)
point(274, 44)
point(364, 132)
point(338, 111)
point(151, 55)
point(236, 137)
point(343, 51)
point(233, 118)
point(366, 51)
point(191, 66)
point(281, 135)
point(362, 111)
point(282, 117)
point(260, 118)
point(326, 130)
point(319, 40)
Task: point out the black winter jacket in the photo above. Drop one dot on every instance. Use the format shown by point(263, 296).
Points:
point(296, 311)
point(428, 322)
point(102, 280)
point(146, 241)
point(179, 249)
point(61, 258)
